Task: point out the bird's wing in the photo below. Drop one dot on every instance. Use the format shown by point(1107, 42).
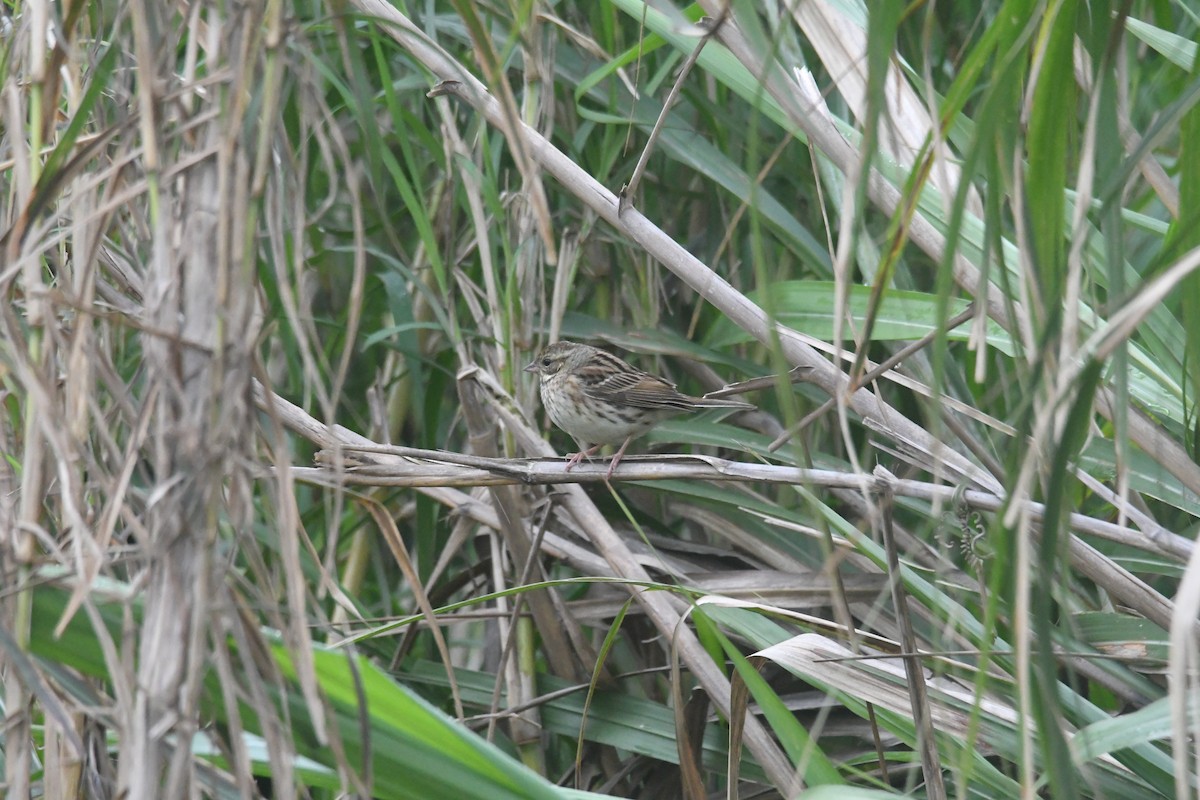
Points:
point(638, 389)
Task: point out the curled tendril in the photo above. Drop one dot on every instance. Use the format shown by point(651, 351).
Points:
point(969, 531)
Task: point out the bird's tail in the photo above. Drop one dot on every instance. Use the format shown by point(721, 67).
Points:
point(720, 402)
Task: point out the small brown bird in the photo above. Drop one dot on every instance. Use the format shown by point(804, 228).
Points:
point(599, 399)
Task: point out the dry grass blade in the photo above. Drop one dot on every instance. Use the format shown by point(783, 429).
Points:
point(882, 683)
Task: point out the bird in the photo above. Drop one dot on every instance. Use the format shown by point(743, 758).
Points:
point(601, 399)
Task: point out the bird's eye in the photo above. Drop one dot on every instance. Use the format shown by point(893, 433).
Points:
point(546, 362)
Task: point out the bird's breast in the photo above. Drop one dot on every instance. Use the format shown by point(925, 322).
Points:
point(592, 420)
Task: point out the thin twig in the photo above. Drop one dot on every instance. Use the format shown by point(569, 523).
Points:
point(877, 372)
point(440, 470)
point(913, 669)
point(630, 189)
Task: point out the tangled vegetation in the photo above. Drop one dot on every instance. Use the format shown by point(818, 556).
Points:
point(282, 513)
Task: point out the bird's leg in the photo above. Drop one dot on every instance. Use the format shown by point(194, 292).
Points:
point(580, 456)
point(617, 458)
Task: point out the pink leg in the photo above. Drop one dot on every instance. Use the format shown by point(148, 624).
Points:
point(574, 460)
point(617, 458)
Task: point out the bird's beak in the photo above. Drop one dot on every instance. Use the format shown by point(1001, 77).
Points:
point(530, 367)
